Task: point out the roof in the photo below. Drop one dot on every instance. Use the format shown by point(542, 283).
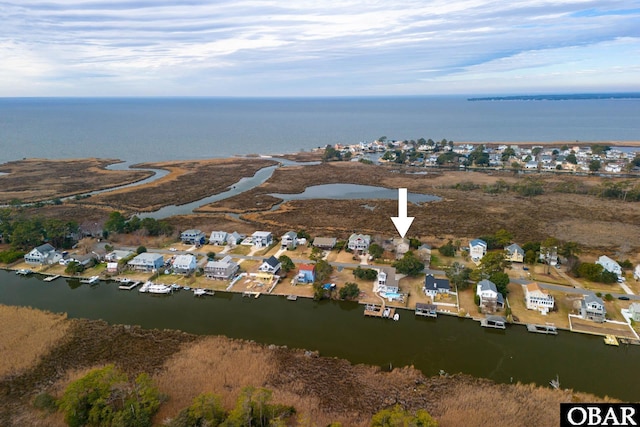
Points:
point(635, 307)
point(391, 276)
point(307, 267)
point(514, 248)
point(185, 259)
point(606, 260)
point(146, 257)
point(487, 285)
point(191, 231)
point(272, 261)
point(431, 283)
point(45, 248)
point(364, 237)
point(261, 234)
point(592, 299)
point(221, 263)
point(291, 234)
point(476, 242)
point(324, 241)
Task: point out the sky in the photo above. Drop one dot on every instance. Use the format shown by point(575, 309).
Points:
point(288, 48)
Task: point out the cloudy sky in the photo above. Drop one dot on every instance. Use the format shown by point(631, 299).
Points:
point(317, 47)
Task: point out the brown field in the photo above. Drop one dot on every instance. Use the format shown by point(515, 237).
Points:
point(33, 180)
point(26, 335)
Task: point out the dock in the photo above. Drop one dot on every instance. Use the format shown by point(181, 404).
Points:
point(24, 272)
point(427, 310)
point(374, 310)
point(292, 297)
point(251, 294)
point(129, 286)
point(542, 329)
point(496, 322)
point(611, 340)
point(51, 278)
point(628, 341)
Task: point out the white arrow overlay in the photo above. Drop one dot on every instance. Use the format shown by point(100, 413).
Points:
point(402, 221)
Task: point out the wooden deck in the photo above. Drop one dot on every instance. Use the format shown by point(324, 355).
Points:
point(373, 310)
point(428, 310)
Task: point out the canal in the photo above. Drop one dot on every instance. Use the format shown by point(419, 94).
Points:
point(339, 329)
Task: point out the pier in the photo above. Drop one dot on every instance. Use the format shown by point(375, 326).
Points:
point(251, 294)
point(128, 287)
point(427, 310)
point(496, 322)
point(51, 278)
point(542, 329)
point(374, 310)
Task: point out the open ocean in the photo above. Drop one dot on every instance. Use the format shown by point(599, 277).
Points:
point(156, 129)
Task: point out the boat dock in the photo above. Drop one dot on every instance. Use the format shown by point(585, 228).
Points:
point(51, 278)
point(251, 294)
point(496, 322)
point(428, 310)
point(128, 286)
point(374, 310)
point(292, 297)
point(611, 340)
point(542, 329)
point(24, 272)
point(90, 280)
point(628, 341)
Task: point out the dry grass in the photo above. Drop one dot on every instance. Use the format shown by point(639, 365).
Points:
point(26, 335)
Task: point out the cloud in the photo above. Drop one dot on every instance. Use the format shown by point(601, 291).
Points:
point(255, 48)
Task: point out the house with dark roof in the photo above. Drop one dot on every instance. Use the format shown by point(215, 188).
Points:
point(433, 286)
point(592, 308)
point(270, 265)
point(192, 237)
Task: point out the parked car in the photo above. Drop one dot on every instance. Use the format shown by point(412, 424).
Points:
point(623, 298)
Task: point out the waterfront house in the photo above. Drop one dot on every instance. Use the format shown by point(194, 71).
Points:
point(386, 282)
point(184, 264)
point(539, 299)
point(192, 237)
point(146, 261)
point(490, 299)
point(270, 265)
point(634, 310)
point(235, 238)
point(477, 249)
point(514, 253)
point(117, 255)
point(113, 268)
point(433, 286)
point(592, 308)
point(43, 254)
point(306, 273)
point(326, 243)
point(636, 272)
point(222, 269)
point(610, 265)
point(549, 255)
point(289, 240)
point(359, 242)
point(218, 238)
point(262, 239)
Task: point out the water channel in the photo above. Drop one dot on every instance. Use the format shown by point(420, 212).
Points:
point(339, 329)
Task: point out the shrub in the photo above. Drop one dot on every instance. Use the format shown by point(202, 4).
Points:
point(349, 291)
point(10, 255)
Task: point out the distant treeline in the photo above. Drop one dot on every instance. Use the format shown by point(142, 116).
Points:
point(565, 97)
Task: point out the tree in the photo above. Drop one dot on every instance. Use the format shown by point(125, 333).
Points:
point(409, 264)
point(26, 233)
point(323, 271)
point(206, 410)
point(501, 280)
point(459, 275)
point(286, 264)
point(141, 249)
point(211, 255)
point(571, 158)
point(398, 417)
point(74, 267)
point(331, 153)
point(503, 237)
point(414, 243)
point(507, 153)
point(365, 273)
point(493, 262)
point(106, 397)
point(447, 249)
point(594, 165)
point(375, 250)
point(253, 408)
point(349, 291)
point(115, 223)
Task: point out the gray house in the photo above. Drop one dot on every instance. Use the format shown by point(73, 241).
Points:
point(146, 262)
point(592, 308)
point(192, 237)
point(222, 269)
point(43, 254)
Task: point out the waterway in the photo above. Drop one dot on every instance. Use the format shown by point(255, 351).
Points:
point(339, 329)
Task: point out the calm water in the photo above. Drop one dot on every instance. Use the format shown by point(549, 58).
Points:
point(340, 329)
point(352, 191)
point(143, 129)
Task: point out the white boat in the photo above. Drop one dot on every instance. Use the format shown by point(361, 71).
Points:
point(90, 280)
point(198, 292)
point(176, 287)
point(555, 383)
point(156, 288)
point(396, 317)
point(123, 280)
point(24, 271)
point(145, 286)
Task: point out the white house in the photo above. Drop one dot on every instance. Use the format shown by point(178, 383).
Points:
point(549, 255)
point(117, 255)
point(634, 310)
point(477, 249)
point(218, 238)
point(610, 265)
point(592, 308)
point(289, 240)
point(386, 282)
point(514, 253)
point(43, 254)
point(262, 239)
point(192, 237)
point(636, 272)
point(146, 261)
point(359, 242)
point(538, 298)
point(112, 267)
point(270, 265)
point(490, 299)
point(184, 264)
point(221, 269)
